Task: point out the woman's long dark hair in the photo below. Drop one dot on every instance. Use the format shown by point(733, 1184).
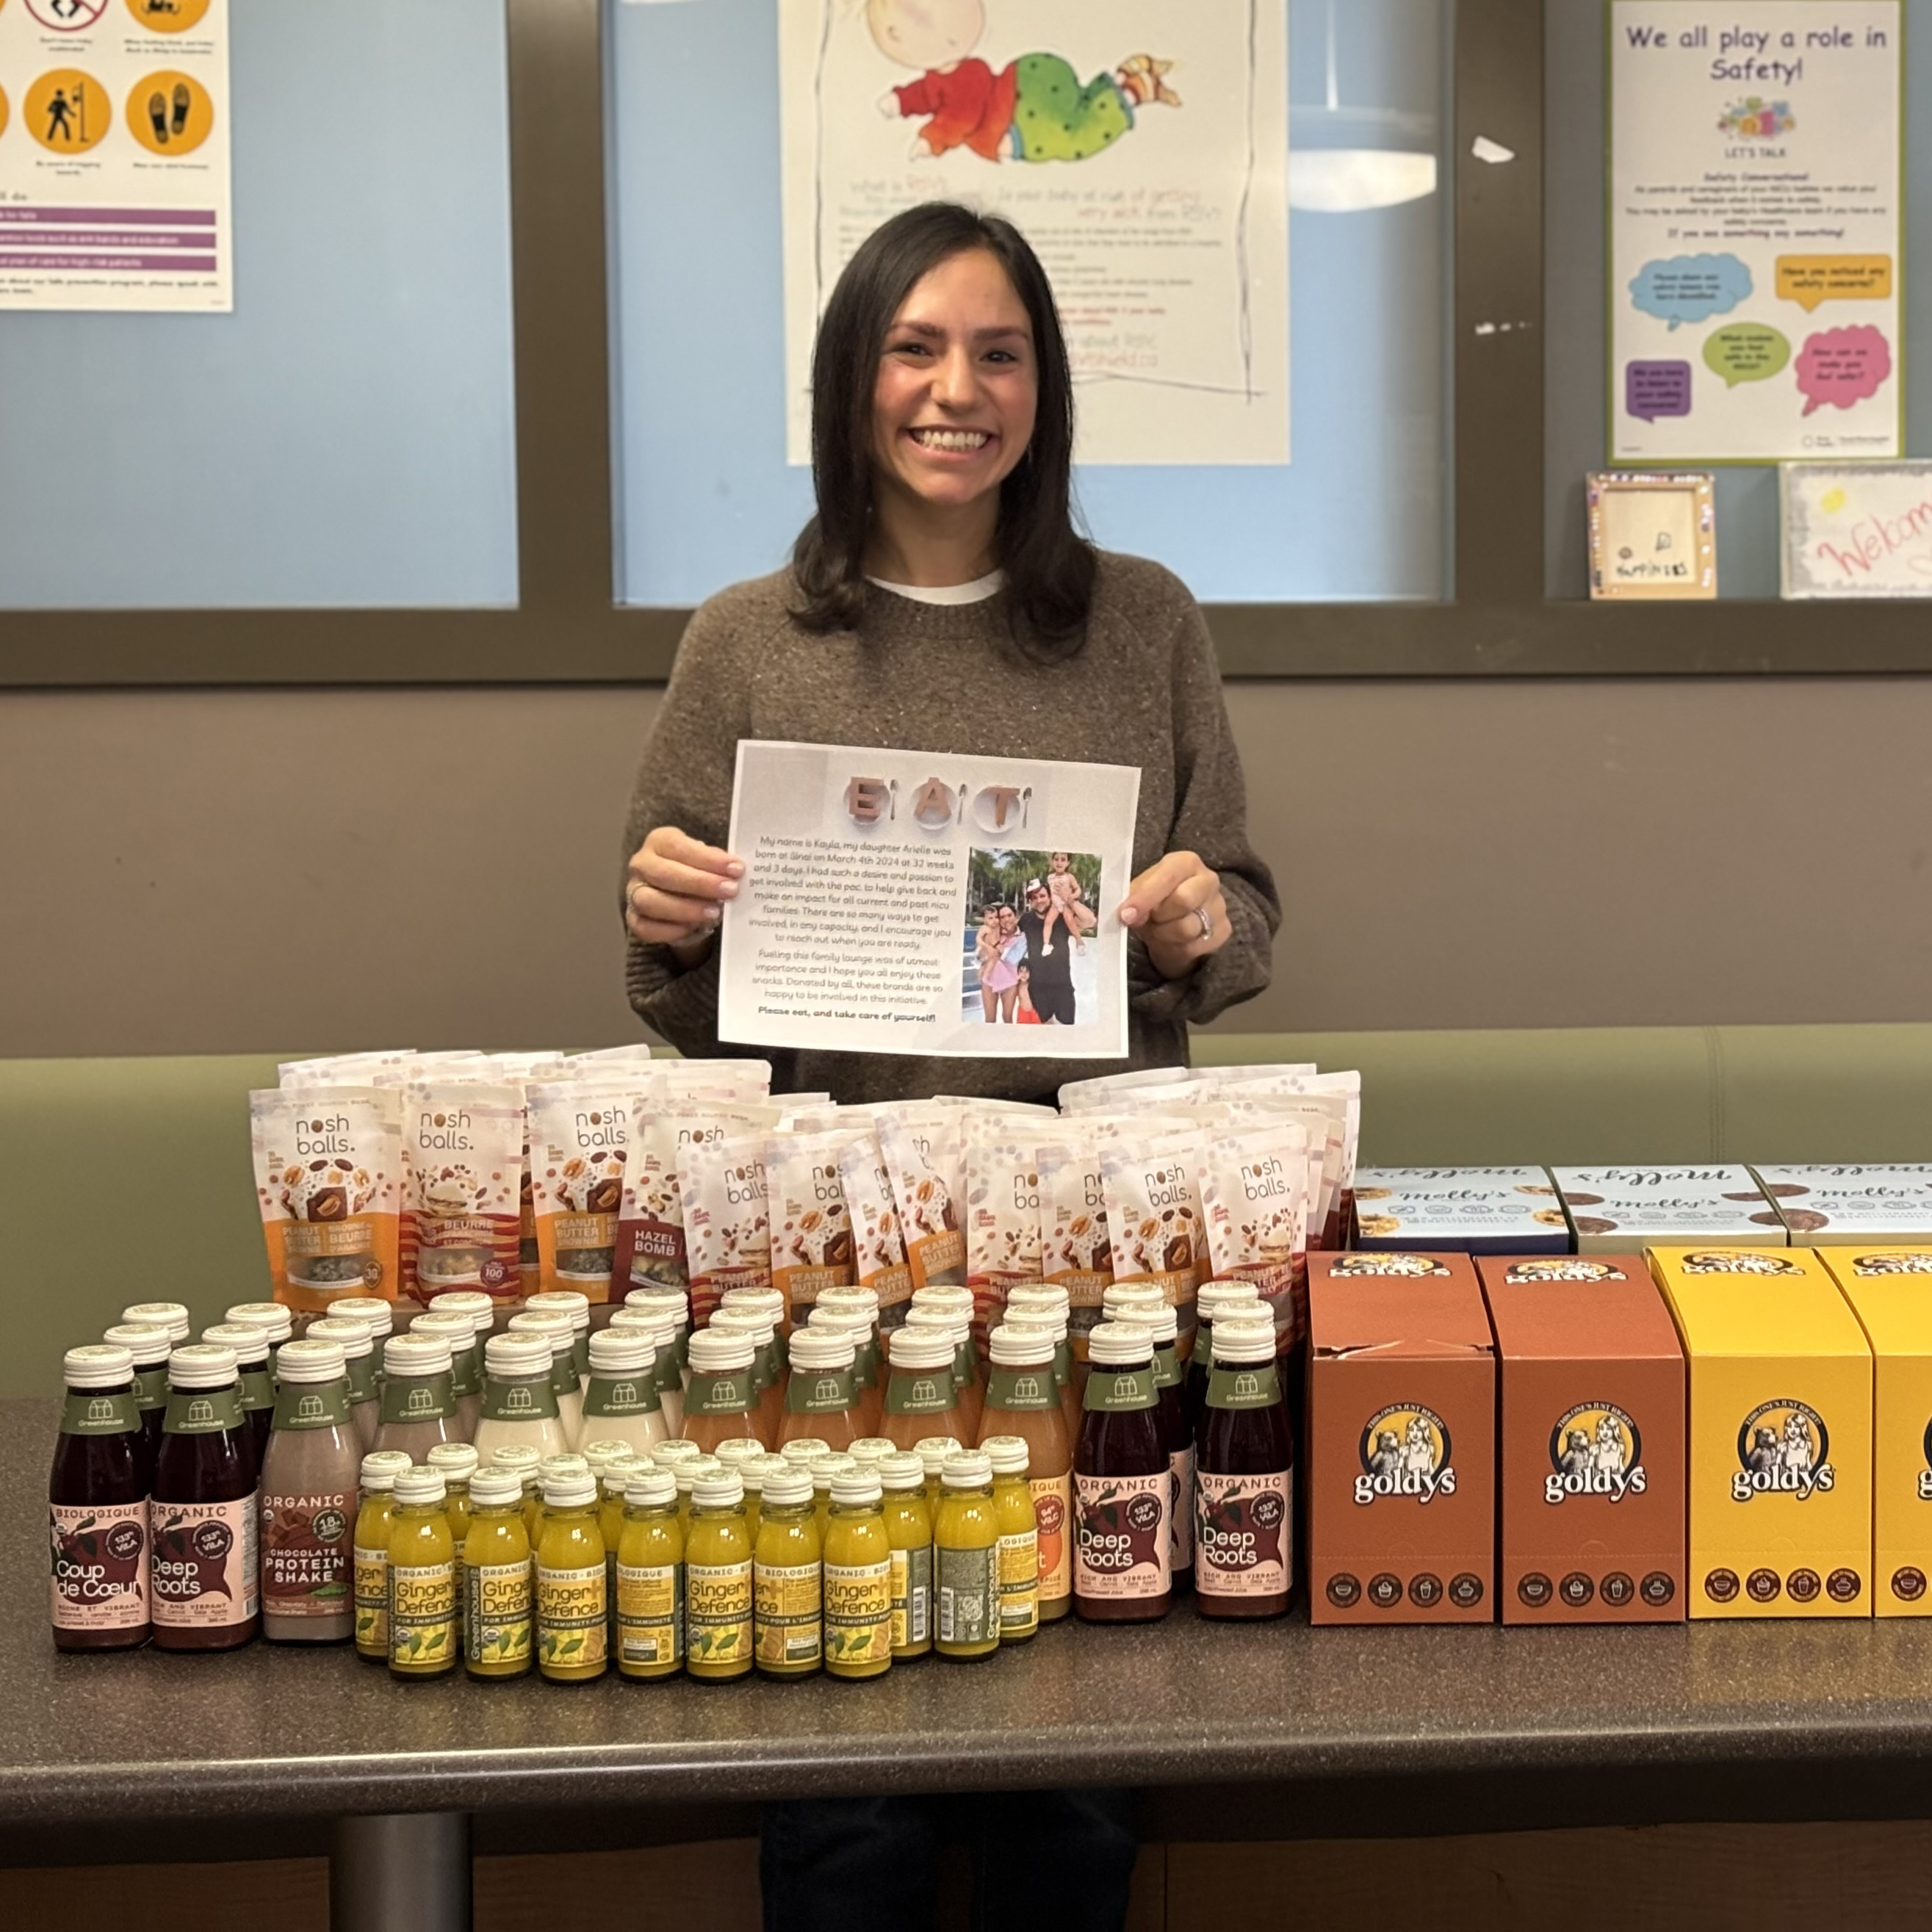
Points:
point(1050, 568)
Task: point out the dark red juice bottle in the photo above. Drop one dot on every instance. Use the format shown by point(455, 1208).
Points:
point(1244, 1478)
point(1121, 1484)
point(97, 1508)
point(150, 1344)
point(1177, 1438)
point(206, 1578)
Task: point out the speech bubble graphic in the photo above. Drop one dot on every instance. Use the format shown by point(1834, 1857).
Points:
point(1746, 351)
point(1653, 389)
point(1690, 288)
point(1809, 280)
point(1843, 366)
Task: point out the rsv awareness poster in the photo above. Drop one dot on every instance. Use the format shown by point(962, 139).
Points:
point(1754, 230)
point(1140, 147)
point(114, 155)
point(919, 902)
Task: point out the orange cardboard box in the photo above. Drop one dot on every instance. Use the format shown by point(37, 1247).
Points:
point(1591, 1468)
point(1402, 1427)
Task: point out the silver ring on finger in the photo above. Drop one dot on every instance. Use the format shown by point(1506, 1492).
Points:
point(1207, 919)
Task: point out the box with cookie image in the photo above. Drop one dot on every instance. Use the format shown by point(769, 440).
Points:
point(1590, 1455)
point(1619, 1210)
point(1401, 1425)
point(1471, 1211)
point(1821, 1206)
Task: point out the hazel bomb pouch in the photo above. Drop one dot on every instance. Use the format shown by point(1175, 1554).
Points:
point(1254, 1201)
point(917, 1158)
point(879, 1256)
point(727, 1223)
point(329, 1181)
point(580, 1131)
point(463, 1144)
point(1154, 1218)
point(650, 1245)
point(812, 1244)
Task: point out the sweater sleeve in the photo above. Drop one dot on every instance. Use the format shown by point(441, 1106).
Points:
point(1210, 817)
point(685, 780)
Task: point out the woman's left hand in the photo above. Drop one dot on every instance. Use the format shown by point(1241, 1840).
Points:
point(1177, 907)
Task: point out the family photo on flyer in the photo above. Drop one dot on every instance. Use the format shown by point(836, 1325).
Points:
point(1028, 960)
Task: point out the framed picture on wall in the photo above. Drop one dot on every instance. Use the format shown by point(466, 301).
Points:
point(1652, 534)
point(1856, 530)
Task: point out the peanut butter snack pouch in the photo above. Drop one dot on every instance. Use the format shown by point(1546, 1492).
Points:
point(580, 1131)
point(463, 1173)
point(727, 1233)
point(919, 1149)
point(879, 1256)
point(1254, 1199)
point(1154, 1220)
point(811, 1241)
point(329, 1181)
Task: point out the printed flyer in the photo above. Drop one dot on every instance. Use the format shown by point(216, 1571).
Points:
point(1755, 223)
point(114, 155)
point(919, 902)
point(1140, 147)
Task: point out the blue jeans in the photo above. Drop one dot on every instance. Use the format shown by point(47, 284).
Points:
point(1056, 1861)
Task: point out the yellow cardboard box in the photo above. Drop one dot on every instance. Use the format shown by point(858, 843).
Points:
point(1890, 1289)
point(1781, 1432)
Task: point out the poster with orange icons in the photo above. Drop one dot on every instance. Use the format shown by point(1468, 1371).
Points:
point(114, 155)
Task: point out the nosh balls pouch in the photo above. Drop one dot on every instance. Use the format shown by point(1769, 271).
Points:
point(328, 1182)
point(1154, 1218)
point(810, 1225)
point(727, 1223)
point(917, 1158)
point(580, 1131)
point(650, 1245)
point(879, 1256)
point(1254, 1199)
point(463, 1144)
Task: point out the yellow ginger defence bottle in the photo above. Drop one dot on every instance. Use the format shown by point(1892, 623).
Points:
point(1019, 1538)
point(380, 1469)
point(966, 1541)
point(650, 1576)
point(909, 1533)
point(422, 1578)
point(573, 1623)
point(858, 1577)
point(787, 1604)
point(498, 1615)
point(718, 1580)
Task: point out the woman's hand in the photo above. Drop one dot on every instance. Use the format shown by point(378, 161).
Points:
point(1177, 906)
point(676, 891)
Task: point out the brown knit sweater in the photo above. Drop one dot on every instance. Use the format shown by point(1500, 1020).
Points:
point(1144, 691)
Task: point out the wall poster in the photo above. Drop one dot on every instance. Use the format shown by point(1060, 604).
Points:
point(1755, 200)
point(114, 155)
point(1140, 147)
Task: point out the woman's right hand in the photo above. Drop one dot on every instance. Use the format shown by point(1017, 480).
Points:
point(676, 892)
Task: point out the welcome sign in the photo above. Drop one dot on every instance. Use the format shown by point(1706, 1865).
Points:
point(1860, 529)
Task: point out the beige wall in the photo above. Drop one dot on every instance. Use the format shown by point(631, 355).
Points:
point(234, 871)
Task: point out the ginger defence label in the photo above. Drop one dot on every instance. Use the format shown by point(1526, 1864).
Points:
point(718, 1612)
point(497, 1626)
point(859, 1612)
point(788, 1612)
point(573, 1623)
point(650, 1613)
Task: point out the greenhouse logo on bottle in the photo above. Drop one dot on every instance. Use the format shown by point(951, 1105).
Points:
point(1405, 1452)
point(1783, 1449)
point(1595, 1449)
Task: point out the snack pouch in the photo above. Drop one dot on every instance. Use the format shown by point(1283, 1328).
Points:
point(1002, 1207)
point(1106, 1090)
point(328, 1180)
point(650, 1244)
point(579, 1131)
point(462, 1183)
point(1324, 1116)
point(523, 1069)
point(1154, 1220)
point(810, 1227)
point(919, 1148)
point(879, 1256)
point(727, 1226)
point(1254, 1199)
point(1075, 1251)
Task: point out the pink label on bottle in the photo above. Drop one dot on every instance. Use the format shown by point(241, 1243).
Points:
point(1241, 1543)
point(1121, 1535)
point(100, 1566)
point(205, 1565)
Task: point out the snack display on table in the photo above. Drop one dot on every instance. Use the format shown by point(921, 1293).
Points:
point(1477, 1210)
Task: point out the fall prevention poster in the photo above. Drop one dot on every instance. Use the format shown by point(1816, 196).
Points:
point(1754, 230)
point(114, 155)
point(1141, 147)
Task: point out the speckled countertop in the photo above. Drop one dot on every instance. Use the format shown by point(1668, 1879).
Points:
point(1681, 1722)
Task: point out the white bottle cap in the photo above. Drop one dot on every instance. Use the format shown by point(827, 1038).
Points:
point(826, 1470)
point(675, 1450)
point(821, 1348)
point(563, 1301)
point(415, 1355)
point(849, 1300)
point(514, 1355)
point(791, 1484)
point(457, 1460)
point(495, 1486)
point(760, 1301)
point(871, 1449)
point(671, 1301)
point(250, 1345)
point(805, 1449)
point(201, 1365)
point(351, 1337)
point(753, 1324)
point(622, 1348)
point(692, 1470)
point(921, 1348)
point(971, 1469)
point(517, 1456)
point(755, 1469)
point(569, 1488)
point(735, 1453)
point(932, 1451)
point(377, 1316)
point(1242, 1339)
point(605, 1451)
point(1213, 1296)
point(901, 1470)
point(1008, 1454)
point(171, 1315)
point(856, 1487)
point(457, 1331)
point(721, 1490)
point(1043, 1295)
point(566, 1462)
point(272, 1315)
point(97, 1365)
point(614, 1477)
point(315, 1358)
point(419, 1484)
point(1164, 1323)
point(149, 1341)
point(1012, 1348)
point(944, 1295)
point(470, 1301)
point(381, 1467)
point(645, 1487)
point(1120, 1344)
point(715, 1350)
point(1053, 1327)
point(1135, 1299)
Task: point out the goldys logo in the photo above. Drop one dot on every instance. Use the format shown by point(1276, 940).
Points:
point(1406, 1453)
point(1737, 1261)
point(1783, 1449)
point(1562, 1267)
point(1918, 1261)
point(1595, 1449)
point(1379, 1267)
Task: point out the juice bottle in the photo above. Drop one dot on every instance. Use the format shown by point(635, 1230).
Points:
point(621, 1401)
point(374, 1509)
point(921, 1398)
point(856, 1311)
point(720, 1402)
point(575, 1307)
point(273, 1318)
point(465, 1366)
point(1208, 1302)
point(752, 1472)
point(422, 1577)
point(668, 1307)
point(824, 1470)
point(1121, 1485)
point(614, 1480)
point(768, 1376)
point(309, 1500)
point(1177, 1439)
point(457, 1462)
point(97, 1506)
point(767, 1302)
point(519, 1408)
point(966, 1558)
point(378, 1317)
point(858, 1578)
point(499, 1610)
point(820, 1396)
point(148, 1343)
point(522, 1461)
point(744, 1456)
point(358, 1357)
point(718, 1580)
point(909, 1533)
point(253, 1384)
point(788, 1581)
point(870, 1449)
point(650, 1576)
point(1245, 1479)
point(957, 1328)
point(418, 1396)
point(1069, 1376)
point(933, 1452)
point(687, 1474)
point(1023, 1400)
point(204, 1581)
point(172, 1315)
point(1019, 1538)
point(554, 1328)
point(573, 1621)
